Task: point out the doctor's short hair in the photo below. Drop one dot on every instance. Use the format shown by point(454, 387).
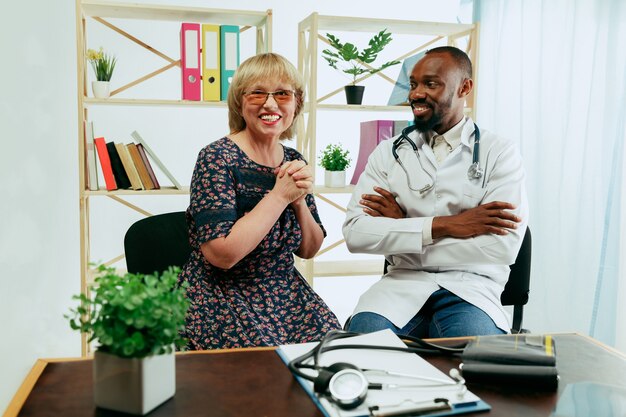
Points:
point(460, 58)
point(262, 67)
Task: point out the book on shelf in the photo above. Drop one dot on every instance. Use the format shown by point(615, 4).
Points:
point(146, 181)
point(118, 169)
point(91, 162)
point(146, 162)
point(156, 159)
point(129, 167)
point(105, 164)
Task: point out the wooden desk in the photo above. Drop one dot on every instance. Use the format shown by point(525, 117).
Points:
point(255, 382)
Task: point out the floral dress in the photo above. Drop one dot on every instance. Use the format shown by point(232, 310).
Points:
point(262, 300)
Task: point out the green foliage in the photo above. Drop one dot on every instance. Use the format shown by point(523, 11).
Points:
point(103, 64)
point(334, 158)
point(354, 58)
point(133, 316)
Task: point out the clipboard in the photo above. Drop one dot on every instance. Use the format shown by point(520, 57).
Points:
point(394, 400)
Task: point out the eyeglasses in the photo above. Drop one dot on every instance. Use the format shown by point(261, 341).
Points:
point(260, 96)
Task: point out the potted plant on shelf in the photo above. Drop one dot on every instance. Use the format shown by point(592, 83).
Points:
point(357, 62)
point(103, 65)
point(334, 159)
point(136, 320)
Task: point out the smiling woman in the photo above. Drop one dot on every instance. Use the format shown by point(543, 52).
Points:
point(251, 210)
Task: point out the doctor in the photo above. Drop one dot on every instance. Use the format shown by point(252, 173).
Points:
point(448, 214)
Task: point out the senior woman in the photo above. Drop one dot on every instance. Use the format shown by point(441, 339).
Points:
point(251, 209)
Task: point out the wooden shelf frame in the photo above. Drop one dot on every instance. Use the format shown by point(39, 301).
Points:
point(309, 39)
point(104, 12)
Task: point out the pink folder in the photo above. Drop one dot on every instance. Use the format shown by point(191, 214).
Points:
point(372, 133)
point(190, 61)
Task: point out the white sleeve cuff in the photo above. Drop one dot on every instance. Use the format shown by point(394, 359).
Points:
point(427, 231)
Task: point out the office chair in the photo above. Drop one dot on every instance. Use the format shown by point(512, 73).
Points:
point(517, 288)
point(157, 242)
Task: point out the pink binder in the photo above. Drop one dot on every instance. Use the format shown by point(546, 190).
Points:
point(190, 61)
point(372, 133)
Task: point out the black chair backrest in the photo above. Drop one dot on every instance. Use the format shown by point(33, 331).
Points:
point(517, 288)
point(157, 242)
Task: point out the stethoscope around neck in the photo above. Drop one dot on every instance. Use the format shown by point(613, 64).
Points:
point(474, 172)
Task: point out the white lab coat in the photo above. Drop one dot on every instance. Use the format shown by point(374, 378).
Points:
point(475, 269)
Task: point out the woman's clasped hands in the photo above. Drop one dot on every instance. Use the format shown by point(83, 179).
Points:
point(294, 180)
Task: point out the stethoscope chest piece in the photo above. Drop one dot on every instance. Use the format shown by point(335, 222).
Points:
point(348, 388)
point(475, 172)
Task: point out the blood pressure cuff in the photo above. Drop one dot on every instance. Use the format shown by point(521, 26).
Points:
point(523, 361)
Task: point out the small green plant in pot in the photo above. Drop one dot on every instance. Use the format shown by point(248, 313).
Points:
point(136, 321)
point(103, 65)
point(357, 62)
point(334, 159)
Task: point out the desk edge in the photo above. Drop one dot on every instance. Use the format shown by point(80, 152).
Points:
point(24, 390)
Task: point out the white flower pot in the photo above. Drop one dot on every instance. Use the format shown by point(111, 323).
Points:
point(334, 179)
point(101, 89)
point(134, 386)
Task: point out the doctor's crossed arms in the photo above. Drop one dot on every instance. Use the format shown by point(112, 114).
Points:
point(488, 218)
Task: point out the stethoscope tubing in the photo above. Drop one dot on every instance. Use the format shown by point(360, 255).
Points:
point(474, 171)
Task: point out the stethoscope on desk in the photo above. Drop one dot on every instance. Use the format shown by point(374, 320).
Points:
point(474, 172)
point(346, 385)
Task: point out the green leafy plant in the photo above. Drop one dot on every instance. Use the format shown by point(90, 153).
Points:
point(134, 315)
point(354, 59)
point(334, 158)
point(102, 63)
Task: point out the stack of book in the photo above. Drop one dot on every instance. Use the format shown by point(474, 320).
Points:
point(124, 166)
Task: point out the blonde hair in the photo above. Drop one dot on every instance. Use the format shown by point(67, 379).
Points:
point(267, 66)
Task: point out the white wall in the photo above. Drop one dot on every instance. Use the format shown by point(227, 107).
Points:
point(39, 226)
point(38, 186)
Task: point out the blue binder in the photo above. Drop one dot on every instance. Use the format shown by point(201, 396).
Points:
point(229, 56)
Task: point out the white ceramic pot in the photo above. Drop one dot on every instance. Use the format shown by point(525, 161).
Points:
point(101, 89)
point(334, 179)
point(134, 386)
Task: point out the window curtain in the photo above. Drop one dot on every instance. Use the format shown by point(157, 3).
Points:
point(551, 76)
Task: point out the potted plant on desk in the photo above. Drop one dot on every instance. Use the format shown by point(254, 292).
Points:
point(136, 320)
point(334, 159)
point(357, 62)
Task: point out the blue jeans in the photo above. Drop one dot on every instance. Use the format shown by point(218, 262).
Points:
point(443, 315)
